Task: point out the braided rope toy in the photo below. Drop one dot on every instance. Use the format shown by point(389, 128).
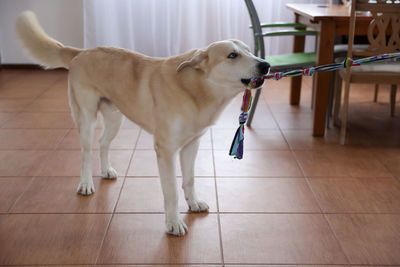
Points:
point(237, 145)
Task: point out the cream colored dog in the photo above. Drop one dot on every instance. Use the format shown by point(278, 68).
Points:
point(176, 99)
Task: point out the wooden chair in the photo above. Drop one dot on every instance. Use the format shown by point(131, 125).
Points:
point(383, 37)
point(283, 62)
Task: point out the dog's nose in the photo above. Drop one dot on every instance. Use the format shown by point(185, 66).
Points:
point(263, 67)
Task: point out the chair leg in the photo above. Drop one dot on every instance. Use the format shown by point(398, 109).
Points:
point(253, 107)
point(345, 112)
point(376, 92)
point(338, 97)
point(312, 91)
point(330, 100)
point(393, 91)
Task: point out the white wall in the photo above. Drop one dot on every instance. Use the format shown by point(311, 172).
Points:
point(61, 19)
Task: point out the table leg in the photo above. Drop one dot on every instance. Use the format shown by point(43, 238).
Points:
point(295, 82)
point(324, 56)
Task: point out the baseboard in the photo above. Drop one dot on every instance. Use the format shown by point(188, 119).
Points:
point(26, 67)
point(20, 66)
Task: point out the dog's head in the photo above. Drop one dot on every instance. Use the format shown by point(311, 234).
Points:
point(229, 63)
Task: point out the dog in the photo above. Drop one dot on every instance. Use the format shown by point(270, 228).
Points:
point(176, 99)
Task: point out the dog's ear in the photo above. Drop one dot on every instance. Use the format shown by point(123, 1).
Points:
point(198, 57)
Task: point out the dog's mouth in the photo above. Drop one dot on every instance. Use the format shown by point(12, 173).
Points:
point(259, 81)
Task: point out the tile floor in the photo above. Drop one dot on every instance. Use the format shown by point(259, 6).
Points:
point(294, 200)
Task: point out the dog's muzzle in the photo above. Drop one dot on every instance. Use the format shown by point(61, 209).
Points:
point(263, 69)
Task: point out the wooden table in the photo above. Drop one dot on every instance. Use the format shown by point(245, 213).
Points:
point(329, 21)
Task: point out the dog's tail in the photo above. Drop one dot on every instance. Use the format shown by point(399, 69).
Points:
point(47, 51)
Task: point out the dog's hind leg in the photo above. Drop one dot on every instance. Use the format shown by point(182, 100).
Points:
point(187, 157)
point(85, 101)
point(86, 131)
point(112, 122)
point(166, 159)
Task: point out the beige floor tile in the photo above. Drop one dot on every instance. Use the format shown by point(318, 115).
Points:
point(5, 117)
point(163, 265)
point(59, 90)
point(58, 195)
point(145, 195)
point(279, 238)
point(51, 238)
point(294, 120)
point(354, 195)
point(368, 239)
point(384, 139)
point(257, 163)
point(14, 104)
point(291, 265)
point(48, 105)
point(146, 141)
point(142, 239)
point(229, 117)
point(390, 158)
point(23, 88)
point(125, 139)
point(144, 163)
point(303, 139)
point(254, 139)
point(303, 107)
point(265, 195)
point(34, 120)
point(21, 162)
point(341, 162)
point(68, 163)
point(11, 188)
point(31, 139)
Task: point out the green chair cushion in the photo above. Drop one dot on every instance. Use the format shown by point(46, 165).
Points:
point(291, 61)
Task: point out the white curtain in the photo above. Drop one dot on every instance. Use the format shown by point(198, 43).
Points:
point(163, 28)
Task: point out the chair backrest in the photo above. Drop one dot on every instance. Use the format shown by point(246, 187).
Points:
point(384, 29)
point(259, 49)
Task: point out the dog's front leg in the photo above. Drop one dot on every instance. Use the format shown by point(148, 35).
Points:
point(188, 156)
point(166, 165)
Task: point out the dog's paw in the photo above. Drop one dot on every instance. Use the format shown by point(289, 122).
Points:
point(198, 206)
point(110, 173)
point(176, 227)
point(85, 188)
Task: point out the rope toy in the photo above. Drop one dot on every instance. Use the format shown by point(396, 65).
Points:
point(237, 145)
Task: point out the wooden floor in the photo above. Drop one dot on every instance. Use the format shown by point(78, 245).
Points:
point(293, 200)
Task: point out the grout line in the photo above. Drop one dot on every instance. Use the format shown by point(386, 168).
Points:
point(215, 213)
point(219, 177)
point(38, 170)
point(119, 195)
point(311, 189)
point(10, 76)
point(384, 165)
point(324, 215)
point(217, 201)
point(27, 105)
point(287, 142)
point(337, 238)
point(213, 264)
point(126, 264)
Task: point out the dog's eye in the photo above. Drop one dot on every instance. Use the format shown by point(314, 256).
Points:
point(233, 55)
